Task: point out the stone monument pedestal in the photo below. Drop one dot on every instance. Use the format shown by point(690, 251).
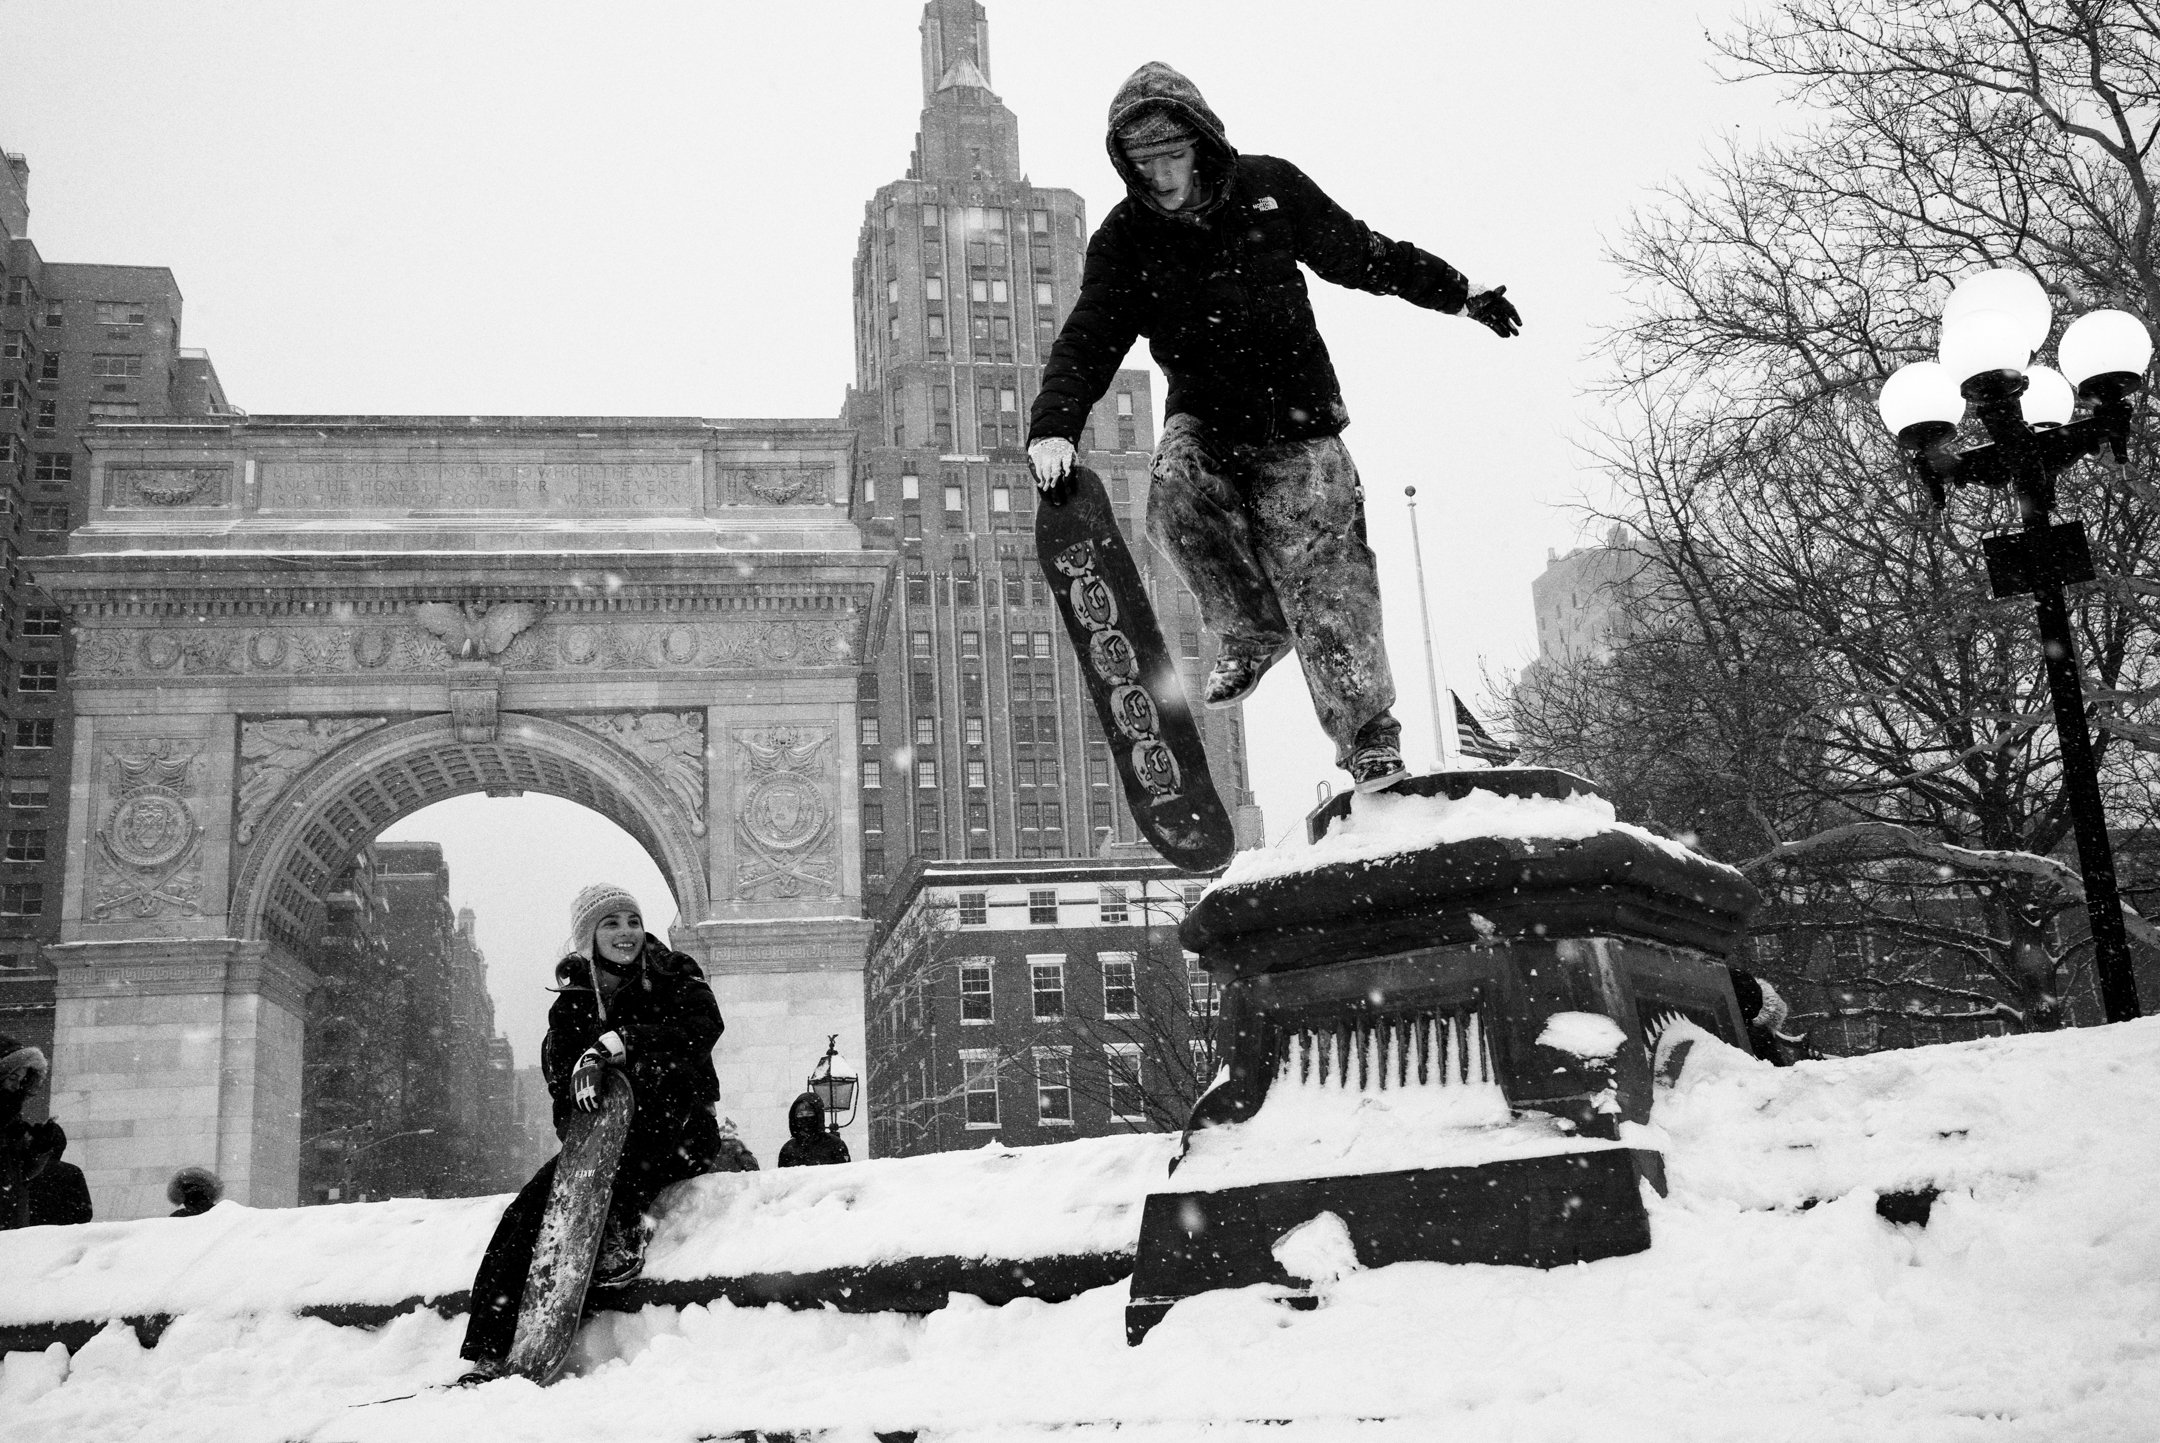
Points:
point(1442, 1002)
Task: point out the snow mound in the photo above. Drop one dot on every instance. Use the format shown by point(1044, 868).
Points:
point(1774, 1303)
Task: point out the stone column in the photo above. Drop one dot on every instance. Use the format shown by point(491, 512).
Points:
point(176, 1052)
point(786, 942)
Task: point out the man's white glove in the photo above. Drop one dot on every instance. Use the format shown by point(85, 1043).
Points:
point(1051, 459)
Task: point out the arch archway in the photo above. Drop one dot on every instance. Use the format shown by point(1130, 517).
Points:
point(319, 821)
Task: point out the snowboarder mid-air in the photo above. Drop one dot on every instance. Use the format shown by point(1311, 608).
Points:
point(1255, 499)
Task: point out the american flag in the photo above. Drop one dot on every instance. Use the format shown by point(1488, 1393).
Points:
point(1477, 742)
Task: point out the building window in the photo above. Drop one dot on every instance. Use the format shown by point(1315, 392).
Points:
point(34, 734)
point(873, 817)
point(115, 367)
point(14, 346)
point(1120, 985)
point(1045, 295)
point(1039, 222)
point(1047, 979)
point(970, 645)
point(1042, 646)
point(1124, 403)
point(1193, 892)
point(37, 676)
point(926, 731)
point(935, 326)
point(48, 416)
point(926, 776)
point(54, 314)
point(26, 844)
point(974, 909)
point(22, 899)
point(978, 1071)
point(1200, 989)
point(115, 410)
point(866, 731)
point(42, 622)
point(1114, 911)
point(49, 366)
point(55, 466)
point(1098, 770)
point(930, 217)
point(873, 775)
point(11, 395)
point(925, 689)
point(122, 313)
point(972, 729)
point(999, 294)
point(1121, 1060)
point(48, 520)
point(919, 644)
point(1043, 908)
point(911, 488)
point(1053, 1086)
point(975, 1003)
point(29, 793)
point(978, 774)
point(954, 501)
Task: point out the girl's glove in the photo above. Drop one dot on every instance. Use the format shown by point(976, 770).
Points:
point(585, 1079)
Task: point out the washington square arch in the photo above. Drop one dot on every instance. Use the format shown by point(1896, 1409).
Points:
point(292, 631)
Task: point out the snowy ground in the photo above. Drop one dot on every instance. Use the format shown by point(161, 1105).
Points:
point(2028, 1308)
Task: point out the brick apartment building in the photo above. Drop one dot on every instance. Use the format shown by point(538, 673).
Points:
point(80, 346)
point(1034, 1002)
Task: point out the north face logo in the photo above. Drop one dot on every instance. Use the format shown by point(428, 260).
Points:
point(1266, 202)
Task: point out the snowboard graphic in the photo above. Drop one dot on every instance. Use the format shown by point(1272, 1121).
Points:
point(1145, 716)
point(569, 1243)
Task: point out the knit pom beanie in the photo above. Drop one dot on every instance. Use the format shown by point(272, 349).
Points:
point(591, 905)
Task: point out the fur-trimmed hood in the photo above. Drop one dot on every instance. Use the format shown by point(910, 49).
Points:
point(1155, 86)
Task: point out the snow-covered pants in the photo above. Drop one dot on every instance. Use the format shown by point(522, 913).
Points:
point(1271, 540)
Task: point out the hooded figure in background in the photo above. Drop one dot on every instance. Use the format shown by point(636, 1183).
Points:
point(25, 1147)
point(809, 1144)
point(625, 1000)
point(193, 1191)
point(1255, 499)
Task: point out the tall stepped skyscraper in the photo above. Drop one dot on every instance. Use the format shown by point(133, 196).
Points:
point(977, 737)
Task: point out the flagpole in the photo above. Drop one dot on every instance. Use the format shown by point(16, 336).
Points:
point(1444, 738)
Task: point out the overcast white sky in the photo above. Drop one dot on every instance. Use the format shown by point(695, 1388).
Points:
point(650, 209)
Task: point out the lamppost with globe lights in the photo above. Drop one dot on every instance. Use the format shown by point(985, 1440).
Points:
point(833, 1082)
point(1994, 322)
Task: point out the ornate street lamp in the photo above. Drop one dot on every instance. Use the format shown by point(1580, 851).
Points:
point(833, 1081)
point(1994, 322)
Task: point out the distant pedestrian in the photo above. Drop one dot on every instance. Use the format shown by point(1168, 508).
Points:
point(194, 1190)
point(809, 1144)
point(1766, 1013)
point(58, 1194)
point(24, 1146)
point(733, 1155)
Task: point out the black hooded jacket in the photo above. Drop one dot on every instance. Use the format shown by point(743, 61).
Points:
point(1217, 291)
point(669, 1024)
point(809, 1144)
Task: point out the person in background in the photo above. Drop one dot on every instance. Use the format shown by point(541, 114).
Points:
point(24, 1146)
point(58, 1195)
point(194, 1191)
point(625, 1000)
point(734, 1154)
point(809, 1144)
point(1766, 1013)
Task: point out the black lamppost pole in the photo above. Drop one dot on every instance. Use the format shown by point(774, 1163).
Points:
point(1994, 321)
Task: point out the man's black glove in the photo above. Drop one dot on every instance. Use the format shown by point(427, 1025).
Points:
point(1492, 310)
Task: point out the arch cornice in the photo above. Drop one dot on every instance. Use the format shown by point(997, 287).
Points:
point(341, 802)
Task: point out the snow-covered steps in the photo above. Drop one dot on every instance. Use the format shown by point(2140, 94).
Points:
point(998, 1223)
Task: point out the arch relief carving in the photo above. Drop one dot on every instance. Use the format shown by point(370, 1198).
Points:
point(146, 859)
point(274, 750)
point(785, 810)
point(672, 743)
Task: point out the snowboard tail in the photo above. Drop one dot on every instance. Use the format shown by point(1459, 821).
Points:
point(570, 1233)
point(1130, 675)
